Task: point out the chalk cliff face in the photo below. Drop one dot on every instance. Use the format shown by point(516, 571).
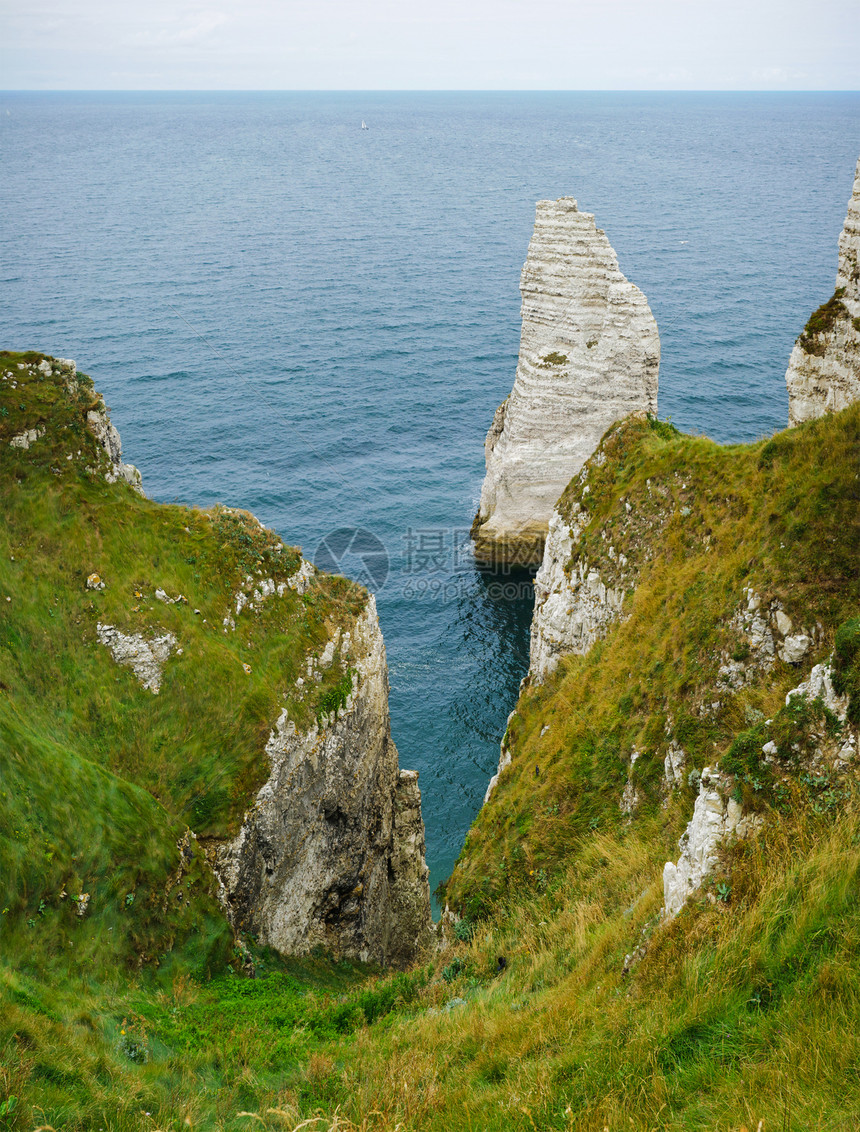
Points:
point(571, 610)
point(578, 599)
point(824, 369)
point(589, 355)
point(332, 852)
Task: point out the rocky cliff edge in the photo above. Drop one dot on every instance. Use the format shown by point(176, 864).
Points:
point(823, 373)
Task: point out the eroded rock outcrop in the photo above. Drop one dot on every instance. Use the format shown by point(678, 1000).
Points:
point(824, 369)
point(589, 355)
point(819, 742)
point(146, 658)
point(332, 852)
point(718, 820)
point(504, 761)
point(100, 425)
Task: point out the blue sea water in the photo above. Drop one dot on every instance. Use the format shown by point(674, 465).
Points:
point(316, 322)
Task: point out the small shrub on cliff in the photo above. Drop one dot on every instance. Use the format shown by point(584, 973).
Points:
point(664, 429)
point(464, 930)
point(335, 697)
point(821, 322)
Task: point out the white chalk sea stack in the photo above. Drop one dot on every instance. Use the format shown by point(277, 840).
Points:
point(589, 355)
point(823, 373)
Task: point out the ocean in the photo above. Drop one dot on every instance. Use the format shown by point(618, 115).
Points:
point(291, 314)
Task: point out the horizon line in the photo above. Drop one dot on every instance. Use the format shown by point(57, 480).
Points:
point(430, 90)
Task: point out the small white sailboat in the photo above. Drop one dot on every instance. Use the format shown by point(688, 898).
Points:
point(364, 125)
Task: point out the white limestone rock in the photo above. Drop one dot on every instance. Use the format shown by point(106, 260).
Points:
point(255, 591)
point(146, 658)
point(630, 797)
point(99, 424)
point(824, 369)
point(819, 684)
point(331, 854)
point(26, 438)
point(589, 355)
point(765, 630)
point(795, 648)
point(831, 752)
point(163, 596)
point(571, 610)
point(782, 621)
point(674, 765)
point(301, 580)
point(716, 822)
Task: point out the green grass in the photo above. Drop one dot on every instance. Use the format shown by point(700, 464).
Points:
point(742, 1010)
point(198, 746)
point(140, 1014)
point(100, 780)
point(184, 1053)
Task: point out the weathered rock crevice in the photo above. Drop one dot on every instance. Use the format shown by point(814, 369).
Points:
point(589, 355)
point(332, 852)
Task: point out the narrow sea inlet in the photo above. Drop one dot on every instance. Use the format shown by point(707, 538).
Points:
point(314, 321)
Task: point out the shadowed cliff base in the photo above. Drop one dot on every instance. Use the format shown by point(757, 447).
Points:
point(499, 550)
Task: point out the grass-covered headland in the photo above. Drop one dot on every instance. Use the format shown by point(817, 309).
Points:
point(559, 1000)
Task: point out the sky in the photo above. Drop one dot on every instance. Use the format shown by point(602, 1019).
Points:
point(430, 45)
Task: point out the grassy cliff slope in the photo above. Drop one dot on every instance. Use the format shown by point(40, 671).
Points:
point(560, 1000)
point(698, 524)
point(101, 779)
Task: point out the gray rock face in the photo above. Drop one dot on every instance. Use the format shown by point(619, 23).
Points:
point(824, 369)
point(589, 355)
point(332, 852)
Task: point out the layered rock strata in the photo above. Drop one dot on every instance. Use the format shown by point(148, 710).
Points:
point(589, 355)
point(332, 852)
point(823, 373)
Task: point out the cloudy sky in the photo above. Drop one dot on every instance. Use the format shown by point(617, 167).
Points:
point(430, 44)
